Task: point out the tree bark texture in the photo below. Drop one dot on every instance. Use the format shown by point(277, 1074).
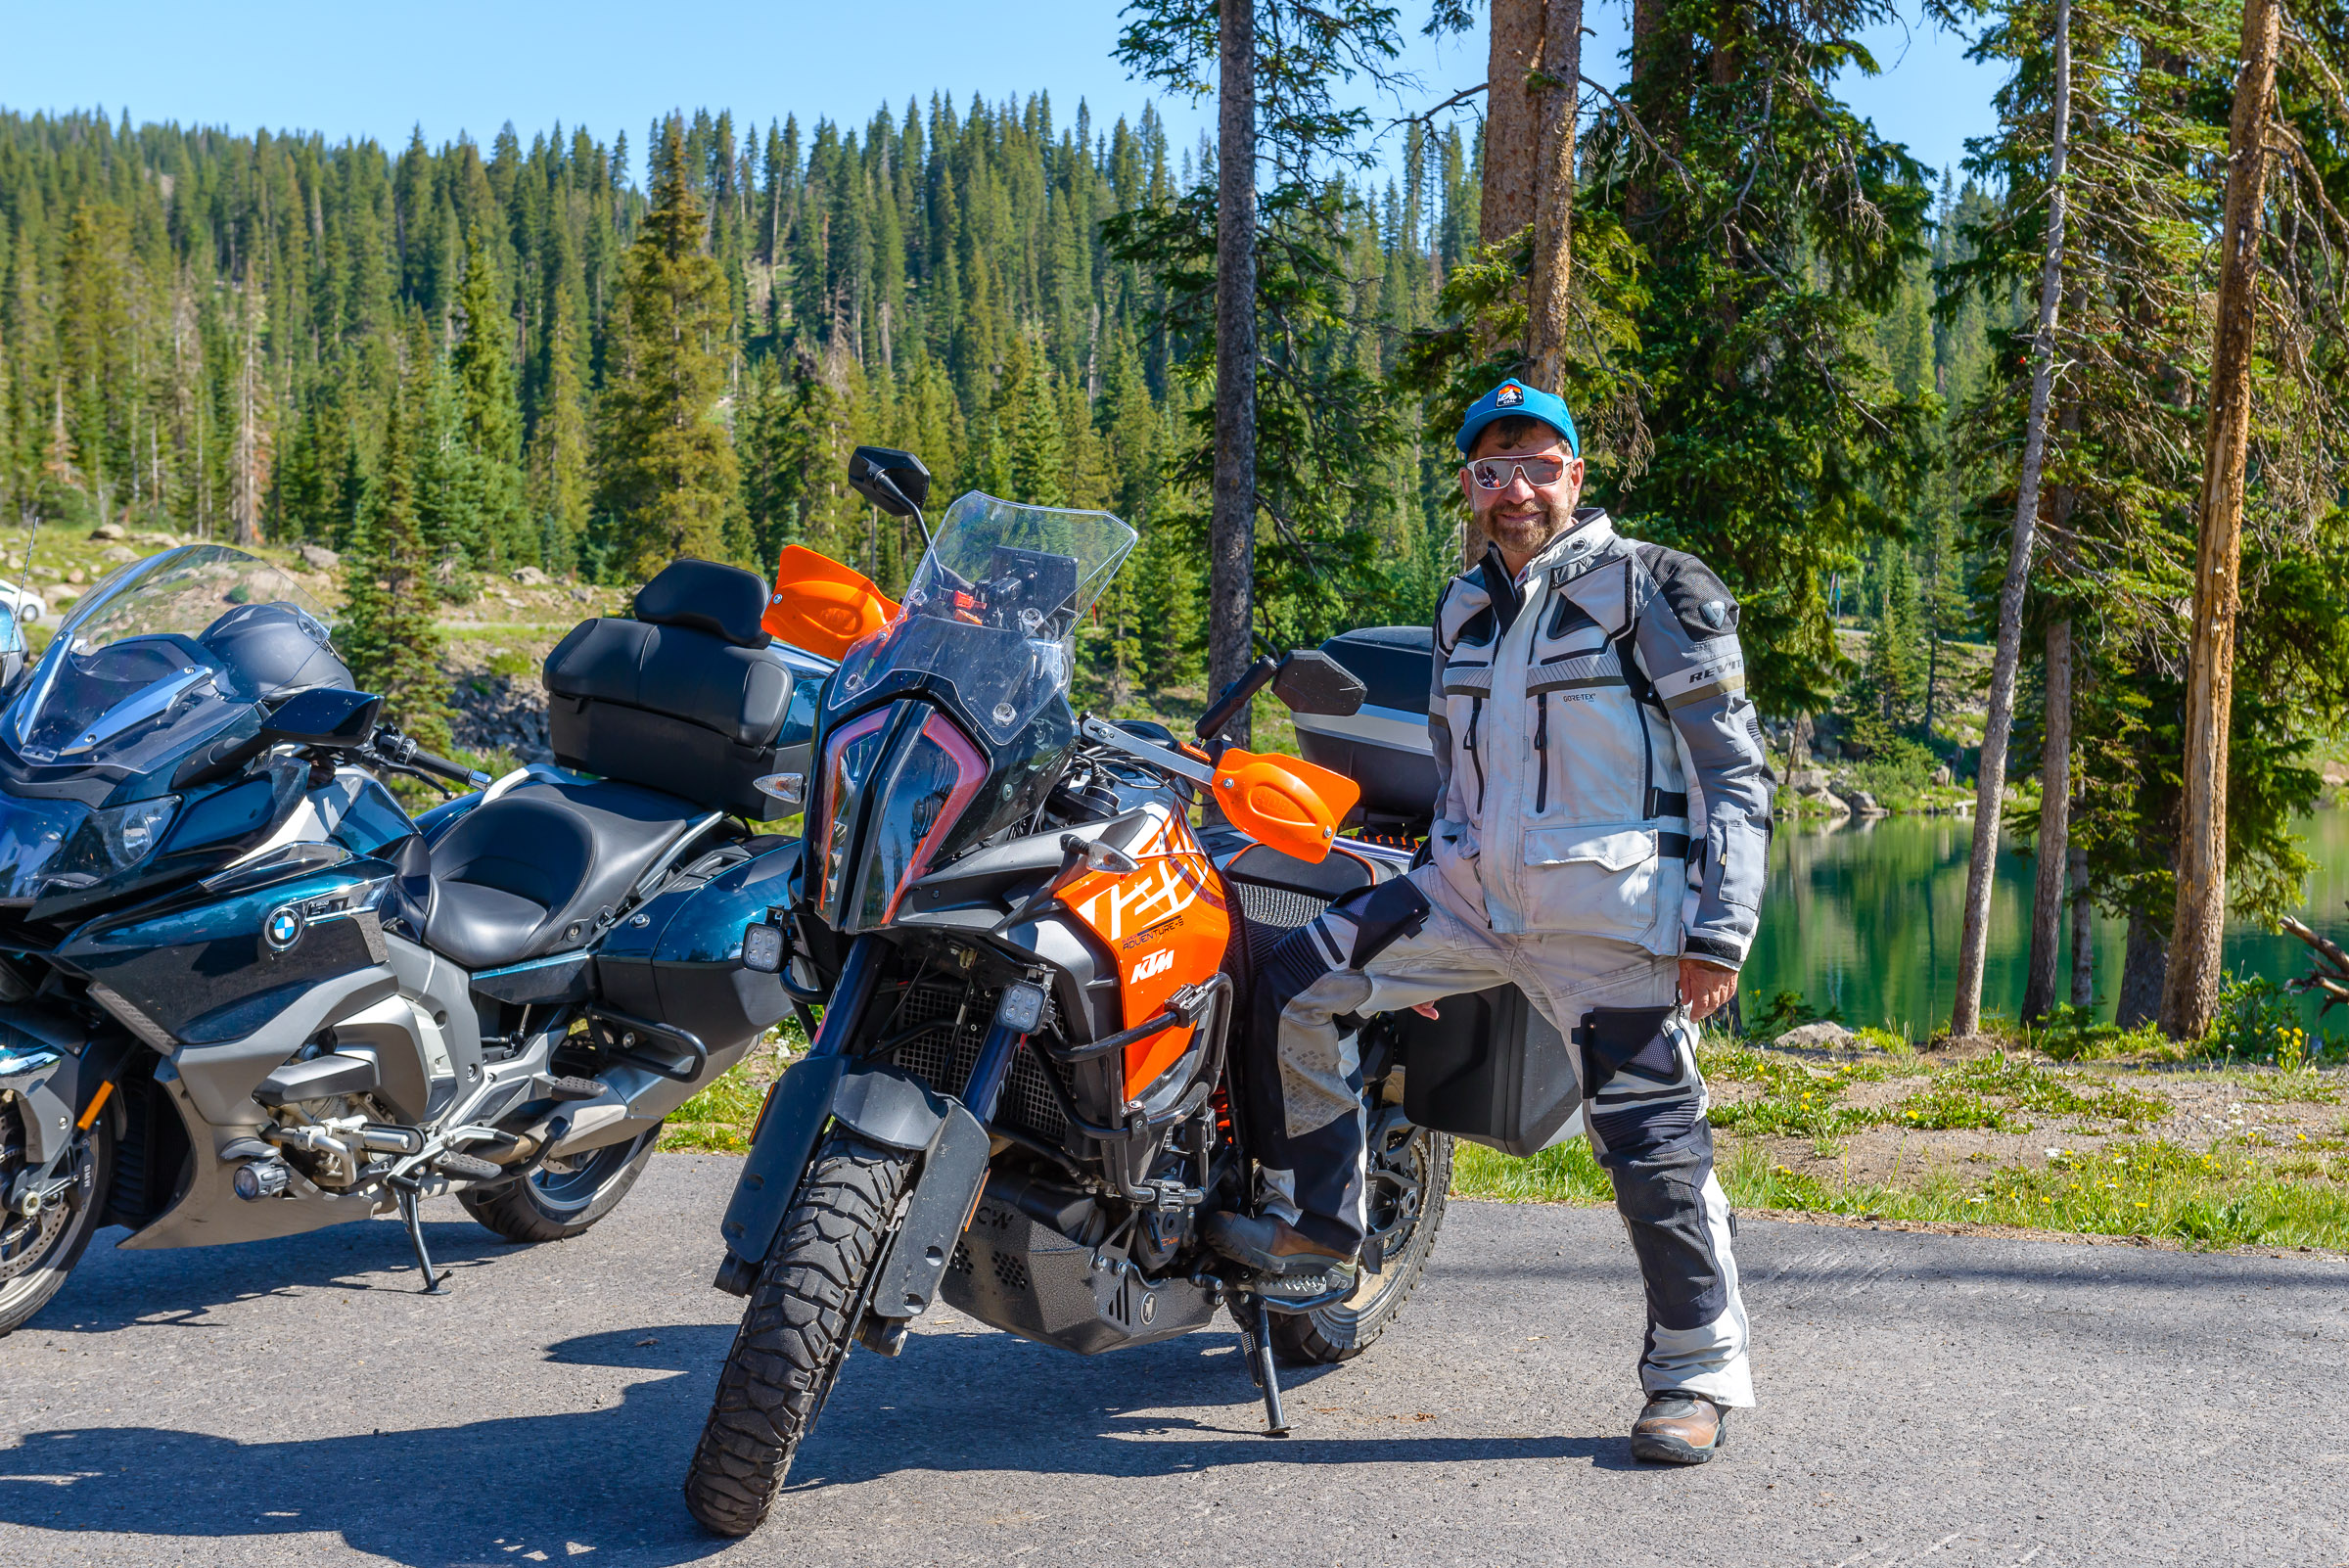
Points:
point(2192, 987)
point(1232, 526)
point(2144, 963)
point(1512, 126)
point(2084, 929)
point(2052, 858)
point(1990, 782)
point(1551, 89)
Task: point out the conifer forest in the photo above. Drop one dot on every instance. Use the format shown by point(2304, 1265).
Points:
point(1792, 348)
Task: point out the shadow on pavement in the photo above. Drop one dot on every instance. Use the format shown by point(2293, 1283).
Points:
point(115, 1287)
point(607, 1480)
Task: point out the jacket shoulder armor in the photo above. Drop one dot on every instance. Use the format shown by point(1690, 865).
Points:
point(1698, 597)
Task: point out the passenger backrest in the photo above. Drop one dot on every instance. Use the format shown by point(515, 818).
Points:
point(683, 699)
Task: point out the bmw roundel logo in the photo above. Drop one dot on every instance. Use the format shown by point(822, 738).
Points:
point(283, 928)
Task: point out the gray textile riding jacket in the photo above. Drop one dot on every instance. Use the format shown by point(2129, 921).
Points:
point(1602, 772)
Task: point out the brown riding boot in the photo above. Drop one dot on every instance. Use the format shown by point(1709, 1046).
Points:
point(1271, 1248)
point(1678, 1427)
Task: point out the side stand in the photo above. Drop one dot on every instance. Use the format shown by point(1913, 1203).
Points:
point(1256, 1342)
point(406, 1197)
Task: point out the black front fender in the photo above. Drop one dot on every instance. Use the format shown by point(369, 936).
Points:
point(883, 1104)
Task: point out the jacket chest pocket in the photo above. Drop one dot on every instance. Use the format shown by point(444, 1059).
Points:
point(1593, 756)
point(1467, 694)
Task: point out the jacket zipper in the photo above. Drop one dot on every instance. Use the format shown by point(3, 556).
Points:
point(1542, 754)
point(1476, 709)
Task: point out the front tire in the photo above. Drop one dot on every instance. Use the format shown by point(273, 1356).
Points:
point(1410, 1170)
point(557, 1202)
point(38, 1251)
point(796, 1332)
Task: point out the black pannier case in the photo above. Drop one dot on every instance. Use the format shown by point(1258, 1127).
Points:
point(1490, 1070)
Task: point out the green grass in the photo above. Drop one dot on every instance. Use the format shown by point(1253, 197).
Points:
point(719, 1120)
point(2153, 1188)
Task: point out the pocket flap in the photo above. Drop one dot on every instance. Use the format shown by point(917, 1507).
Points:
point(1616, 849)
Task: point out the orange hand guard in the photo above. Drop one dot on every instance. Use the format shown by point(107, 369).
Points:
point(823, 606)
point(1283, 802)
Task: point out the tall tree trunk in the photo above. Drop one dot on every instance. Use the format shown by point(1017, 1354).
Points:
point(1990, 782)
point(2144, 963)
point(2192, 987)
point(1512, 124)
point(1231, 527)
point(2054, 827)
point(2083, 927)
point(1551, 89)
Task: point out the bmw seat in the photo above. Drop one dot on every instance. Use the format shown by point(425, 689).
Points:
point(678, 711)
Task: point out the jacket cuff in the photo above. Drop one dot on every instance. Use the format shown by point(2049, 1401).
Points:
point(1711, 950)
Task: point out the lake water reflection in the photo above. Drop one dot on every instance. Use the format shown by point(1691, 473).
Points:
point(1865, 919)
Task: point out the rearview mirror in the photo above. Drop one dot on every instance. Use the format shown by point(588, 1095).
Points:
point(325, 717)
point(1311, 681)
point(894, 481)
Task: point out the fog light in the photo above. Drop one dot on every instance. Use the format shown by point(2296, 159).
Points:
point(256, 1179)
point(1022, 1007)
point(762, 948)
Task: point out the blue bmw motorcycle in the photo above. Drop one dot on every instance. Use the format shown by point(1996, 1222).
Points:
point(242, 993)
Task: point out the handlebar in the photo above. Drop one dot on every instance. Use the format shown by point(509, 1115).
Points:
point(401, 751)
point(1237, 696)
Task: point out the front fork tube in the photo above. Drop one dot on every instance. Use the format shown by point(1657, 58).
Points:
point(983, 1090)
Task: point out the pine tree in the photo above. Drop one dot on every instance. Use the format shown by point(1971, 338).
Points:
point(388, 632)
point(669, 470)
point(559, 477)
point(490, 417)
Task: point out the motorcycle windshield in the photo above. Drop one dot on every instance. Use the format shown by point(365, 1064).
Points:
point(166, 648)
point(991, 612)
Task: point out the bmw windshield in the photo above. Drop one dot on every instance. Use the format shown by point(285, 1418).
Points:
point(165, 656)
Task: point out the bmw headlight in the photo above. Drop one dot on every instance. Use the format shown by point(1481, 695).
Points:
point(111, 841)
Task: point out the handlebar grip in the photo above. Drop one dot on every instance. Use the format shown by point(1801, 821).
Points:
point(1237, 695)
point(426, 761)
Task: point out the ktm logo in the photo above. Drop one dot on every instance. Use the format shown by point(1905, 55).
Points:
point(1157, 963)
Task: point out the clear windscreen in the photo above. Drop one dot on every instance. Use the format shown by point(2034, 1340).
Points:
point(192, 632)
point(991, 611)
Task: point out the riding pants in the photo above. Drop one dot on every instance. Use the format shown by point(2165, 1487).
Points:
point(1406, 941)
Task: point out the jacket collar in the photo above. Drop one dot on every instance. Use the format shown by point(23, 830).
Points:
point(1569, 555)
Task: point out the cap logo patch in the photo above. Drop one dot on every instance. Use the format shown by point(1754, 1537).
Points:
point(1509, 396)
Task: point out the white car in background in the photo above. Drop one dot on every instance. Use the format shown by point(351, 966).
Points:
point(25, 604)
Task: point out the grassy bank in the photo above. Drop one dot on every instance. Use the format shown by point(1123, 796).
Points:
point(2186, 1152)
point(2183, 1152)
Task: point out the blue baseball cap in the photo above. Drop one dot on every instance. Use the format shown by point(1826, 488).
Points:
point(1514, 398)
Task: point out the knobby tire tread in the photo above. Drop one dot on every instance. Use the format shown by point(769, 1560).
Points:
point(795, 1331)
point(1340, 1333)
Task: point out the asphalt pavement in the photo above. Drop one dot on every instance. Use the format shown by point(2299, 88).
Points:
point(1925, 1399)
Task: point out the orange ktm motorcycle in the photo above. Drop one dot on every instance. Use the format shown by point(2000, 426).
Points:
point(1027, 1087)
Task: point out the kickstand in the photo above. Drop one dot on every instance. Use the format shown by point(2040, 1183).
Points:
point(1256, 1344)
point(406, 1197)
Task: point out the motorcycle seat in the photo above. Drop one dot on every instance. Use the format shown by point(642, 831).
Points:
point(544, 867)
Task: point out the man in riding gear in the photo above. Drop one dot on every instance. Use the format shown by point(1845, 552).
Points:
point(1601, 826)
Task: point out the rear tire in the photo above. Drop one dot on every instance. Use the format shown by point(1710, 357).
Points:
point(796, 1332)
point(558, 1204)
point(1405, 1199)
point(33, 1265)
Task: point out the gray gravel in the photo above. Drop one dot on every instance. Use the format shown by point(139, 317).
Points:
point(1925, 1398)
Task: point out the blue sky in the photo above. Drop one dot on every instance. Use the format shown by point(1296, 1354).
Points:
point(364, 70)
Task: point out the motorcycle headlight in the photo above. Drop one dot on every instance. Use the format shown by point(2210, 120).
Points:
point(938, 772)
point(111, 841)
point(849, 756)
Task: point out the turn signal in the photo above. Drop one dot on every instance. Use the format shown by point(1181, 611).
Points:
point(823, 606)
point(1284, 802)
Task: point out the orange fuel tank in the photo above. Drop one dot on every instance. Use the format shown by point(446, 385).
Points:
point(1168, 925)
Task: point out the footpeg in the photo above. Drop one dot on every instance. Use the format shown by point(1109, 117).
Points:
point(466, 1167)
point(569, 1087)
